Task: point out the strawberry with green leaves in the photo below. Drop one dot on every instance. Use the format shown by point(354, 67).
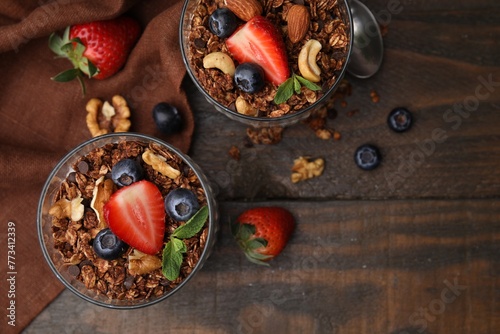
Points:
point(263, 232)
point(97, 49)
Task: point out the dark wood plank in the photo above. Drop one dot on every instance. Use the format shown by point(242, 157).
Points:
point(444, 155)
point(351, 267)
point(422, 257)
point(436, 64)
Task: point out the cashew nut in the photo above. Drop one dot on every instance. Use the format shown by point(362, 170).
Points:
point(307, 60)
point(221, 61)
point(245, 108)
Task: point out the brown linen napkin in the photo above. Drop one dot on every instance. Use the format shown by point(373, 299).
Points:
point(41, 120)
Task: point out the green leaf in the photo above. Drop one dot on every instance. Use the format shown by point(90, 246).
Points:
point(307, 83)
point(179, 245)
point(56, 43)
point(291, 85)
point(171, 261)
point(246, 231)
point(285, 91)
point(296, 84)
point(93, 70)
point(193, 225)
point(67, 75)
point(79, 48)
point(259, 259)
point(66, 34)
point(256, 243)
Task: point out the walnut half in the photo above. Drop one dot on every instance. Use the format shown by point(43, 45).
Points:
point(104, 117)
point(64, 208)
point(303, 169)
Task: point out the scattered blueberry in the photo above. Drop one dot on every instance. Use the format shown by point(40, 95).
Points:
point(181, 204)
point(107, 245)
point(249, 77)
point(367, 157)
point(126, 172)
point(167, 118)
point(222, 22)
point(400, 119)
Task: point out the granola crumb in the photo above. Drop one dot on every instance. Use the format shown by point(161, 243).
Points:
point(266, 136)
point(73, 239)
point(234, 152)
point(351, 113)
point(327, 26)
point(305, 169)
point(337, 135)
point(374, 96)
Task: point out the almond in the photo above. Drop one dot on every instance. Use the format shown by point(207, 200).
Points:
point(298, 22)
point(244, 9)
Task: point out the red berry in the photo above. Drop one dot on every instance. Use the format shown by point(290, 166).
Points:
point(97, 49)
point(260, 42)
point(263, 232)
point(107, 43)
point(136, 215)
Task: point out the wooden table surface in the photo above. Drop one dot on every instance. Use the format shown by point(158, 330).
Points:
point(411, 247)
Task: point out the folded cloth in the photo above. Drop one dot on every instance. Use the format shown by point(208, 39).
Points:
point(41, 120)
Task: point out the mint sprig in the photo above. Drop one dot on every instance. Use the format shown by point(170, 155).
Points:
point(293, 85)
point(175, 247)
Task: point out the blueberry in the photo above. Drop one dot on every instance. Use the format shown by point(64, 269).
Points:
point(249, 77)
point(181, 204)
point(367, 157)
point(126, 172)
point(107, 245)
point(400, 119)
point(167, 118)
point(222, 22)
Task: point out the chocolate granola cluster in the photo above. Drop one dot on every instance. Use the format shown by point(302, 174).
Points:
point(326, 25)
point(116, 279)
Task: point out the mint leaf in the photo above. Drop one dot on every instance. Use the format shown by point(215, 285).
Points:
point(285, 91)
point(171, 261)
point(193, 225)
point(307, 83)
point(296, 84)
point(291, 85)
point(179, 245)
point(172, 255)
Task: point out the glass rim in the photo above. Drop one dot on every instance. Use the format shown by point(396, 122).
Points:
point(270, 121)
point(212, 206)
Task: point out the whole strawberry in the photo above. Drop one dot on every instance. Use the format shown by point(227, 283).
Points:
point(97, 49)
point(263, 232)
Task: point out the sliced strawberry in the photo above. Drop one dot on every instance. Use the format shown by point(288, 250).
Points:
point(136, 215)
point(259, 41)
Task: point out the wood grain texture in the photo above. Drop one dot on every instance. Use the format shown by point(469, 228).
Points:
point(411, 247)
point(436, 61)
point(351, 267)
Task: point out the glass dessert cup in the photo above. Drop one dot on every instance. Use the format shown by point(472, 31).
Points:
point(44, 221)
point(263, 121)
